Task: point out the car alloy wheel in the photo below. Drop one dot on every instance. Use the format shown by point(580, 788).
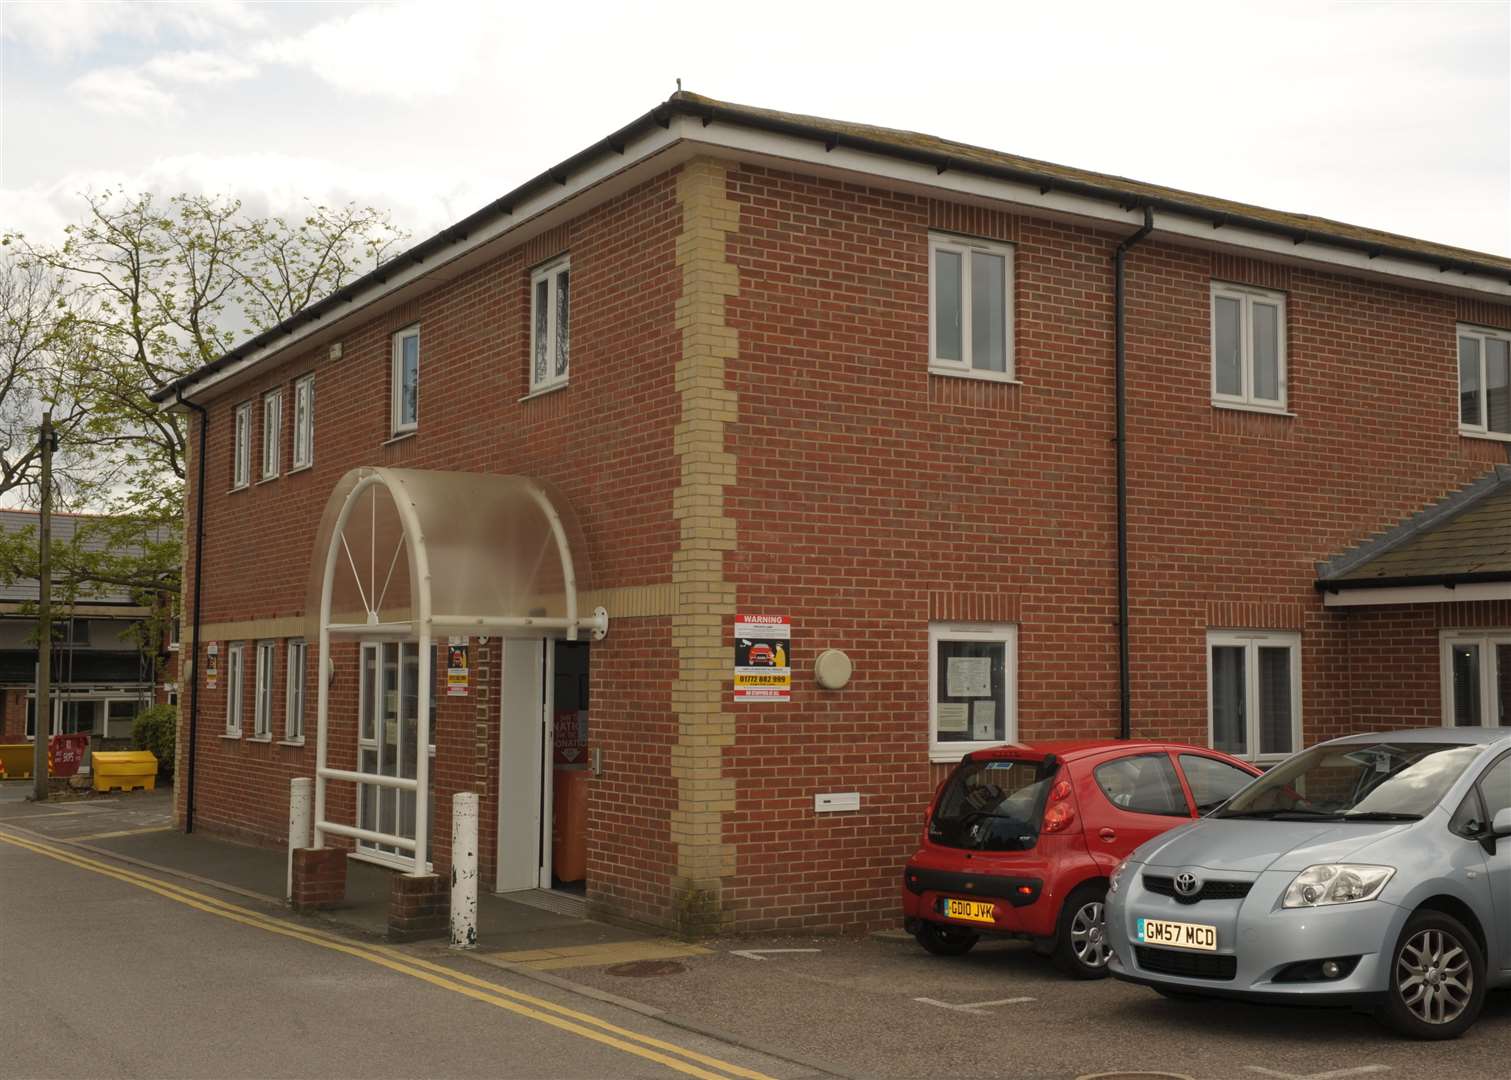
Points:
point(1434, 976)
point(1088, 934)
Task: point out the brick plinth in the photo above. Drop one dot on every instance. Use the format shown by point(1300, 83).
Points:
point(319, 878)
point(419, 906)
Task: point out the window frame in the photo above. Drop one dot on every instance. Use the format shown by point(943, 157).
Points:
point(1005, 634)
point(235, 688)
point(272, 435)
point(397, 425)
point(294, 692)
point(1246, 295)
point(241, 447)
point(548, 272)
point(304, 393)
point(1480, 334)
point(1253, 641)
point(962, 368)
point(262, 689)
point(1487, 640)
point(1186, 801)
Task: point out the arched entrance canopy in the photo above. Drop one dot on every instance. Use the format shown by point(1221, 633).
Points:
point(413, 555)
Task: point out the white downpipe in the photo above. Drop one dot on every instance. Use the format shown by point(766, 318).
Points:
point(464, 870)
point(301, 817)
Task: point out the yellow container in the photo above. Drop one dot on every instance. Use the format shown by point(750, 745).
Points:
point(124, 769)
point(17, 758)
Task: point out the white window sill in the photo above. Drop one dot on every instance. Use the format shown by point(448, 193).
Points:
point(238, 487)
point(267, 479)
point(542, 391)
point(951, 755)
point(232, 735)
point(980, 376)
point(1490, 436)
point(301, 468)
point(291, 742)
point(400, 436)
point(260, 738)
point(1244, 406)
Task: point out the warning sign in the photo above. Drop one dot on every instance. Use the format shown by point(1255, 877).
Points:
point(458, 668)
point(763, 666)
point(212, 666)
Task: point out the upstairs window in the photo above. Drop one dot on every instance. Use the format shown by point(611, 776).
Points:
point(241, 454)
point(550, 324)
point(304, 422)
point(970, 308)
point(272, 433)
point(406, 380)
point(1248, 348)
point(1485, 382)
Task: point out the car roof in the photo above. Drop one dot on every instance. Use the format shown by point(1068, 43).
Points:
point(1472, 735)
point(1069, 749)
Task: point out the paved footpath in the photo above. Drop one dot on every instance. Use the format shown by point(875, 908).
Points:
point(133, 971)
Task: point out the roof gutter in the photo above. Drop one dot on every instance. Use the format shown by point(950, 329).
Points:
point(1447, 581)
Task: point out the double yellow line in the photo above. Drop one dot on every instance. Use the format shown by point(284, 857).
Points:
point(583, 1025)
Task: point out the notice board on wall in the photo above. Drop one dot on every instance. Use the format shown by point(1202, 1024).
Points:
point(763, 661)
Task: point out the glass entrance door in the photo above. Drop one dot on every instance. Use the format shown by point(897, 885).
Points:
point(388, 736)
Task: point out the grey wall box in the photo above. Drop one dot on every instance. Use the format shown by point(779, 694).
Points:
point(833, 669)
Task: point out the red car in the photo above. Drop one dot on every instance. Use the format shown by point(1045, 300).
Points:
point(1020, 839)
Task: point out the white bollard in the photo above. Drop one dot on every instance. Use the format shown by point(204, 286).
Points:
point(301, 821)
point(464, 870)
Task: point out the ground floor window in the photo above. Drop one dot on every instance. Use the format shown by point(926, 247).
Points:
point(1254, 693)
point(293, 714)
point(90, 711)
point(973, 675)
point(1477, 678)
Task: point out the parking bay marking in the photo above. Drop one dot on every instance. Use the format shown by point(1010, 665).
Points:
point(755, 954)
point(976, 1008)
point(1334, 1074)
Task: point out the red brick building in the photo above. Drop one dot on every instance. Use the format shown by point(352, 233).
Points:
point(760, 364)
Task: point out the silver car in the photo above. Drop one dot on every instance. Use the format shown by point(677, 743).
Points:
point(1372, 871)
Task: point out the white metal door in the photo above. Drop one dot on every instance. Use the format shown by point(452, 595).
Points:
point(524, 797)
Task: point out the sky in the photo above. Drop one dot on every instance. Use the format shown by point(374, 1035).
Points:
point(1391, 115)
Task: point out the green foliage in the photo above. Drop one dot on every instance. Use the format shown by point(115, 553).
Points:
point(154, 729)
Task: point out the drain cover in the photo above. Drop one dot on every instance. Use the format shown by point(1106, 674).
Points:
point(646, 969)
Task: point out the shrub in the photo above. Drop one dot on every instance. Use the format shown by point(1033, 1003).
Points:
point(154, 729)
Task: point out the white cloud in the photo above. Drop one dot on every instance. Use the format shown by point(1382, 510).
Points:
point(61, 29)
point(198, 66)
point(123, 92)
point(405, 51)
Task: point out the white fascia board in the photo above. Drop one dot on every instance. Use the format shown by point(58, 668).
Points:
point(925, 179)
point(1417, 594)
point(595, 183)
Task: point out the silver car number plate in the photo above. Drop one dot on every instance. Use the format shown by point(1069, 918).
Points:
point(1177, 935)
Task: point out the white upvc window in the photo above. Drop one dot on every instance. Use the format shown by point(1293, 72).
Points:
point(1485, 382)
point(550, 324)
point(304, 422)
point(262, 717)
point(1254, 693)
point(293, 716)
point(973, 687)
point(241, 451)
point(1248, 347)
point(970, 308)
point(406, 380)
point(1476, 669)
point(272, 433)
point(235, 669)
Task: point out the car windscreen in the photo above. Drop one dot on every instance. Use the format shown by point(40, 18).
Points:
point(1355, 781)
point(993, 805)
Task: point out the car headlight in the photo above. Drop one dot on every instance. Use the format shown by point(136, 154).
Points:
point(1336, 883)
point(1116, 878)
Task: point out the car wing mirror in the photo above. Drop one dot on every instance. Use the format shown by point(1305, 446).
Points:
point(1501, 826)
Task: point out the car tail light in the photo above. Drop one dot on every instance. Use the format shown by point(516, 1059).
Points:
point(1060, 812)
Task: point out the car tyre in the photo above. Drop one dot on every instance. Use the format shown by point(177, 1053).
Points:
point(1428, 996)
point(946, 940)
point(1081, 949)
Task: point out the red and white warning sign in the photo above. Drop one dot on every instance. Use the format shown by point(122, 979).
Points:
point(763, 662)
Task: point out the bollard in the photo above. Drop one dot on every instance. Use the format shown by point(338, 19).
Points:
point(464, 870)
point(301, 820)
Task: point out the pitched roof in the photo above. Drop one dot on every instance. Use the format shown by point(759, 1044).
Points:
point(1462, 538)
point(64, 528)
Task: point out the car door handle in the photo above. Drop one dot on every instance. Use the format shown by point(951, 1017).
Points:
point(1108, 835)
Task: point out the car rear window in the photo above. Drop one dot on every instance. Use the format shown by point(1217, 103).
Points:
point(993, 805)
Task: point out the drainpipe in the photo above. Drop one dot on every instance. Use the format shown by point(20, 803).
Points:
point(199, 565)
point(1125, 691)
